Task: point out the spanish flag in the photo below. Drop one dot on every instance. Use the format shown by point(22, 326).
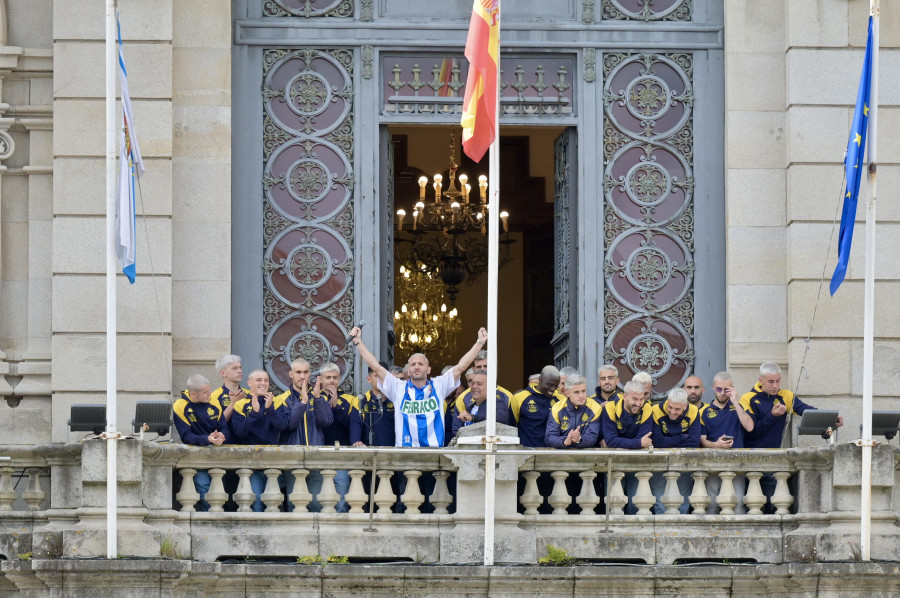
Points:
point(480, 105)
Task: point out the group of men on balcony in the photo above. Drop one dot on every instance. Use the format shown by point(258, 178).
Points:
point(408, 408)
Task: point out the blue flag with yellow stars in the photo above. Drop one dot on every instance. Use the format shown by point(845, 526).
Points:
point(856, 149)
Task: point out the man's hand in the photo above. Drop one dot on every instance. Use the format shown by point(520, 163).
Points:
point(270, 398)
point(646, 442)
point(779, 410)
point(603, 443)
point(482, 335)
point(359, 443)
point(465, 416)
point(354, 333)
point(733, 396)
point(216, 438)
point(724, 443)
point(254, 402)
point(840, 421)
point(332, 396)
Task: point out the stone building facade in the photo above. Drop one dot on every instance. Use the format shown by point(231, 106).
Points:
point(773, 88)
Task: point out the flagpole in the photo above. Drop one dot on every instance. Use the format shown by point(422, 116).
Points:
point(493, 286)
point(865, 506)
point(111, 268)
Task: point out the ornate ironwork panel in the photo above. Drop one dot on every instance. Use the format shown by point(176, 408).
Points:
point(308, 213)
point(644, 10)
point(648, 215)
point(308, 8)
point(563, 175)
point(530, 85)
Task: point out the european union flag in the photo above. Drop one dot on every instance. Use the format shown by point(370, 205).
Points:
point(856, 149)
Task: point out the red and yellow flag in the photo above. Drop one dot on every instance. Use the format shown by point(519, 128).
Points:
point(480, 104)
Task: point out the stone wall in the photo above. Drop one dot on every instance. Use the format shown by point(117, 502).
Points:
point(792, 73)
point(177, 318)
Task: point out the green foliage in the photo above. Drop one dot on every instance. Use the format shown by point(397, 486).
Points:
point(310, 560)
point(557, 556)
point(167, 547)
point(25, 556)
point(338, 560)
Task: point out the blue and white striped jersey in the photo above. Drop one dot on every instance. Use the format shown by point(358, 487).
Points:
point(419, 412)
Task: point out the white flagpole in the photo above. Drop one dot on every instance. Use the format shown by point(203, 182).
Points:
point(493, 285)
point(865, 506)
point(111, 268)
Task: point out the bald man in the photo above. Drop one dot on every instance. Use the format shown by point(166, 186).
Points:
point(694, 387)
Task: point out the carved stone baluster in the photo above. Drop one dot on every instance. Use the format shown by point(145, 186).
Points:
point(587, 498)
point(216, 497)
point(754, 499)
point(328, 497)
point(699, 498)
point(187, 496)
point(271, 496)
point(384, 497)
point(531, 499)
point(617, 498)
point(356, 495)
point(727, 499)
point(559, 499)
point(244, 496)
point(672, 498)
point(782, 498)
point(643, 498)
point(34, 495)
point(441, 497)
point(413, 497)
point(300, 496)
point(7, 492)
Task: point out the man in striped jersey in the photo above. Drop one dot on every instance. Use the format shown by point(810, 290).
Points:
point(418, 401)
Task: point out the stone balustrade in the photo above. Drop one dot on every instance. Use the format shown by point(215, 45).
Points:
point(427, 505)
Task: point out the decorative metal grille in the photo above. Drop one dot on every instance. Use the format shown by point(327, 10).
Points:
point(308, 8)
point(529, 86)
point(562, 175)
point(646, 10)
point(649, 215)
point(307, 207)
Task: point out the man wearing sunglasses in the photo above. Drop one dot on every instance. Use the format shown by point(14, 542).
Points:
point(722, 425)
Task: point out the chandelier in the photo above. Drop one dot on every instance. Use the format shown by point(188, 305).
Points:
point(448, 236)
point(423, 324)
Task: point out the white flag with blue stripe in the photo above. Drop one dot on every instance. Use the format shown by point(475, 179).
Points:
point(131, 167)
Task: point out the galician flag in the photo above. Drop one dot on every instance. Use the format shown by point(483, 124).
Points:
point(131, 167)
point(480, 105)
point(854, 163)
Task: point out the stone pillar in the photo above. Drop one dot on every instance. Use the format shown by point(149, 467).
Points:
point(88, 537)
point(465, 542)
point(836, 536)
point(79, 245)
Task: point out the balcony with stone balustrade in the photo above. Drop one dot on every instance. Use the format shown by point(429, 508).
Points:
point(427, 505)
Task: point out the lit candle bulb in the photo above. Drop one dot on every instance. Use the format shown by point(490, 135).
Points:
point(422, 182)
point(424, 306)
point(463, 179)
point(396, 315)
point(455, 207)
point(482, 186)
point(504, 216)
point(443, 307)
point(467, 188)
point(401, 214)
point(437, 188)
point(415, 218)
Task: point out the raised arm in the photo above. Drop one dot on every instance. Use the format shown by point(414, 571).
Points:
point(469, 357)
point(367, 356)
